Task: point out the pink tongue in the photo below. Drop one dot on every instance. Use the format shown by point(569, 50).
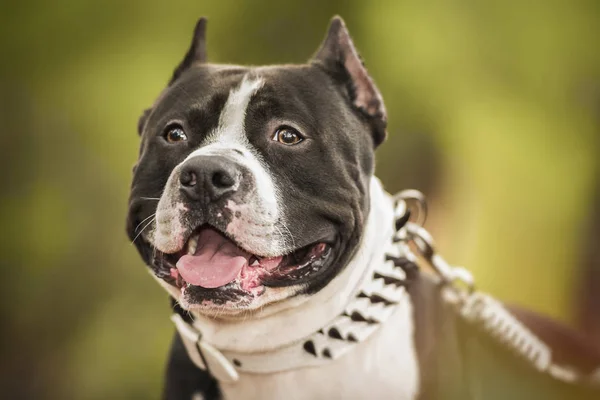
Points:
point(217, 261)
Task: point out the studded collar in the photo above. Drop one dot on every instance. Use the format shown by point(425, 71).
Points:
point(381, 290)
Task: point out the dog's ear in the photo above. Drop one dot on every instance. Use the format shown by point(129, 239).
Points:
point(196, 54)
point(339, 56)
point(197, 51)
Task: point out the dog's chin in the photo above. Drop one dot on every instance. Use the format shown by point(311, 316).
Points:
point(253, 284)
point(244, 306)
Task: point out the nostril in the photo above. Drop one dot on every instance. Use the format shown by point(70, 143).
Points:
point(188, 178)
point(208, 178)
point(222, 179)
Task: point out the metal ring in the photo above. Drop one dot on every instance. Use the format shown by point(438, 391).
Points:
point(426, 246)
point(422, 239)
point(413, 196)
point(400, 207)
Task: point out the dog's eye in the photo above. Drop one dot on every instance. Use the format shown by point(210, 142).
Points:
point(175, 134)
point(288, 136)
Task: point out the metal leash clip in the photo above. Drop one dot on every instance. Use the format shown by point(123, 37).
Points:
point(449, 274)
point(412, 203)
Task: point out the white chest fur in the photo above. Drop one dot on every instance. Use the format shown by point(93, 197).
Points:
point(381, 364)
point(384, 367)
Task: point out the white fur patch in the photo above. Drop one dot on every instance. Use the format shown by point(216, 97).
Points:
point(230, 136)
point(231, 121)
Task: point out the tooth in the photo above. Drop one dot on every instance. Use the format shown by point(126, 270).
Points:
point(193, 244)
point(255, 263)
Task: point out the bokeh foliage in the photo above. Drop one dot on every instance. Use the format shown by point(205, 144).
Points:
point(491, 108)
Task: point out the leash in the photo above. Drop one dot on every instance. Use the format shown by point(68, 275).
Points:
point(480, 309)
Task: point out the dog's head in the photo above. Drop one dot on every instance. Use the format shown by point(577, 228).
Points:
point(252, 182)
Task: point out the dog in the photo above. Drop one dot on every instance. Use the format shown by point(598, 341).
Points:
point(254, 204)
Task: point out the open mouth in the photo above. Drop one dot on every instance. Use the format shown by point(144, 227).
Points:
point(210, 260)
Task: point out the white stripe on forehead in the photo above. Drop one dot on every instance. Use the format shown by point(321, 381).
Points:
point(231, 121)
point(229, 140)
point(230, 131)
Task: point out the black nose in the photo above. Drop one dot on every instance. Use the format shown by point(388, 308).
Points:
point(208, 177)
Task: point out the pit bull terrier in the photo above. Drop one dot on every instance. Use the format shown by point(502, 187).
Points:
point(255, 206)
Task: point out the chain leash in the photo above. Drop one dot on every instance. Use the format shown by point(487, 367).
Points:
point(478, 308)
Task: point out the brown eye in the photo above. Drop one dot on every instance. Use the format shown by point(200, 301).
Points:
point(175, 134)
point(288, 136)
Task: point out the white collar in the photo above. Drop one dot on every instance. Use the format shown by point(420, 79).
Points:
point(317, 328)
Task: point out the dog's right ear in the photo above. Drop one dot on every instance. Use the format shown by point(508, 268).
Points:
point(197, 51)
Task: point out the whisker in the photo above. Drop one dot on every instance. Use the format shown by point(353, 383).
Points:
point(150, 198)
point(144, 220)
point(280, 234)
point(289, 233)
point(143, 229)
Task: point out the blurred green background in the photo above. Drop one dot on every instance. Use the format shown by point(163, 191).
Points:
point(494, 113)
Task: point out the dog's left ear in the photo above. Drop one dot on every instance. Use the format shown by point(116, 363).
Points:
point(196, 54)
point(339, 56)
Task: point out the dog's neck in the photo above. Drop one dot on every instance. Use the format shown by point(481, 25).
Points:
point(297, 318)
